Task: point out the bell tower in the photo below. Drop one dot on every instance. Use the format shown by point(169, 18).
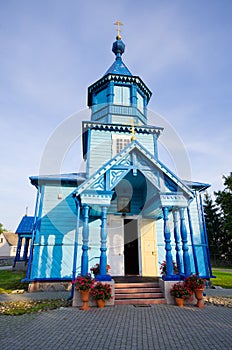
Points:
point(118, 103)
point(119, 96)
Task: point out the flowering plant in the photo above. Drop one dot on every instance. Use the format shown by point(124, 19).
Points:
point(101, 291)
point(195, 282)
point(83, 282)
point(163, 268)
point(180, 290)
point(96, 269)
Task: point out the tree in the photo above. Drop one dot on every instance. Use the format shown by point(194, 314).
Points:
point(218, 217)
point(224, 199)
point(214, 224)
point(2, 229)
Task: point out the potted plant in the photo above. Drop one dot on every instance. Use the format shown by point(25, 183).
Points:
point(84, 284)
point(196, 284)
point(163, 268)
point(180, 292)
point(101, 292)
point(96, 269)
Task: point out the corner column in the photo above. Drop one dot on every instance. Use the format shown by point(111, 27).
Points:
point(85, 240)
point(183, 232)
point(168, 248)
point(18, 251)
point(25, 252)
point(110, 92)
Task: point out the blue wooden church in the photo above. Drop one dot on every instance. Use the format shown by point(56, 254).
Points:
point(128, 209)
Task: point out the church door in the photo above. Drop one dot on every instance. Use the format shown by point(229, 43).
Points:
point(131, 255)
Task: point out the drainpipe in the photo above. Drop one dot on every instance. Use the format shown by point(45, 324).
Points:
point(77, 201)
point(32, 238)
point(205, 236)
point(192, 238)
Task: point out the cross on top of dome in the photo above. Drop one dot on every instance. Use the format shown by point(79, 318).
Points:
point(118, 24)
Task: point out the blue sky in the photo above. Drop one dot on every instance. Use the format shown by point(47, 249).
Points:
point(51, 51)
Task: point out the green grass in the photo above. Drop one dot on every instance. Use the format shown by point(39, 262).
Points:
point(11, 280)
point(223, 278)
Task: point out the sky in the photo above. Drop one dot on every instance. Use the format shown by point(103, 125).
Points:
point(52, 50)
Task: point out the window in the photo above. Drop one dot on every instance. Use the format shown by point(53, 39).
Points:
point(122, 95)
point(140, 102)
point(119, 142)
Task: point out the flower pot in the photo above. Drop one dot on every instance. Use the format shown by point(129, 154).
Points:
point(199, 296)
point(179, 302)
point(85, 299)
point(100, 303)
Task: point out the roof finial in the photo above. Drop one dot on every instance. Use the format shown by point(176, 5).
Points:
point(118, 23)
point(26, 211)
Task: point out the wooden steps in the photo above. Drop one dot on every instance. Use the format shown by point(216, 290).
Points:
point(141, 293)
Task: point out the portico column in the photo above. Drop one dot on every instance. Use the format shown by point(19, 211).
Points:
point(103, 258)
point(18, 252)
point(177, 241)
point(85, 240)
point(183, 232)
point(25, 252)
point(167, 239)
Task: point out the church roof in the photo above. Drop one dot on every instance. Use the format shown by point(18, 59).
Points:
point(70, 177)
point(26, 225)
point(118, 67)
point(198, 186)
point(118, 73)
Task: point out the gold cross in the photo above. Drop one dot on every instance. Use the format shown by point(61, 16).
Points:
point(118, 23)
point(133, 129)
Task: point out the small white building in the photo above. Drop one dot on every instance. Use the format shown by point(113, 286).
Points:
point(8, 244)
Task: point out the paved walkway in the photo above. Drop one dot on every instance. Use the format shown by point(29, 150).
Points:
point(155, 327)
point(65, 295)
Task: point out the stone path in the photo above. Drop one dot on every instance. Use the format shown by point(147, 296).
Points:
point(120, 328)
point(155, 327)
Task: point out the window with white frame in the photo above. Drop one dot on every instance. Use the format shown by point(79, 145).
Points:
point(122, 95)
point(140, 102)
point(119, 142)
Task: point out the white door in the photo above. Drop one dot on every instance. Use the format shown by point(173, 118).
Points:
point(115, 245)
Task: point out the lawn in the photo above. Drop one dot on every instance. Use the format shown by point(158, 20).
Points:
point(11, 280)
point(223, 278)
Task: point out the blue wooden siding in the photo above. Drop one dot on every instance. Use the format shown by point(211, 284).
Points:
point(100, 140)
point(53, 251)
point(146, 141)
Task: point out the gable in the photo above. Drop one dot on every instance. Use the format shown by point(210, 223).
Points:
point(134, 157)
